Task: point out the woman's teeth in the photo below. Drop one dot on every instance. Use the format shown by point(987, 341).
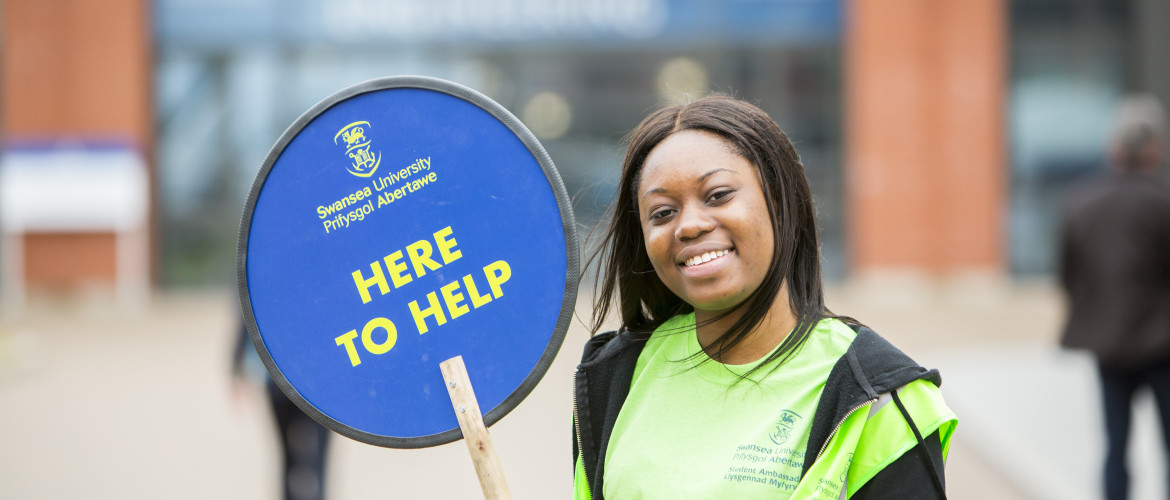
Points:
point(707, 257)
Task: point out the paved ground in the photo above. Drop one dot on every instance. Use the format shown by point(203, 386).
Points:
point(102, 404)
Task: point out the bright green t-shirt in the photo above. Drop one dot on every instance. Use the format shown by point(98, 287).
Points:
point(689, 430)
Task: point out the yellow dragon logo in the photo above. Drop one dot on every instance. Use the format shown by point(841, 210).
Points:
point(362, 163)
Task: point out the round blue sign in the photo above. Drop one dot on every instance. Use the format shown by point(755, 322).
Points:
point(401, 222)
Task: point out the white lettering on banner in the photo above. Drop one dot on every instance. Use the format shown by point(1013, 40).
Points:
point(492, 19)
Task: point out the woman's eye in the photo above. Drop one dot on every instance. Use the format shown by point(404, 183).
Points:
point(662, 214)
point(721, 195)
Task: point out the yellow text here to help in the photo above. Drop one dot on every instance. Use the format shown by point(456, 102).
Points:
point(496, 274)
point(419, 254)
point(452, 300)
point(368, 342)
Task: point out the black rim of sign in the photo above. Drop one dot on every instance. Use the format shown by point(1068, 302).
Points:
point(572, 264)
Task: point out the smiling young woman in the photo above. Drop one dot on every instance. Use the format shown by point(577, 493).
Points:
point(705, 222)
point(729, 378)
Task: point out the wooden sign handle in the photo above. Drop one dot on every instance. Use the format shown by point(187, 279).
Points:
point(479, 443)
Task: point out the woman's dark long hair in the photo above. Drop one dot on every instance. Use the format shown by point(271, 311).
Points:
point(623, 266)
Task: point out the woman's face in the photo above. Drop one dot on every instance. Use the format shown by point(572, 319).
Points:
point(705, 220)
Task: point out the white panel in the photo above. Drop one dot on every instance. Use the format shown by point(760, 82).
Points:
point(72, 190)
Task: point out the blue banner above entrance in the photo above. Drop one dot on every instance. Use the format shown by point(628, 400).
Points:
point(538, 23)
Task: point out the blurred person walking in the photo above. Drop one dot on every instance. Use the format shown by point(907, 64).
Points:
point(1115, 270)
point(303, 441)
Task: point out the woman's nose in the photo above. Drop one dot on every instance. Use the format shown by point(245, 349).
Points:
point(692, 223)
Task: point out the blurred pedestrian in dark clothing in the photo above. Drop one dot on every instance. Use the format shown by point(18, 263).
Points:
point(303, 441)
point(1115, 269)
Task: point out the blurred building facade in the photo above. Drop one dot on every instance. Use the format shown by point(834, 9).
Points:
point(77, 124)
point(938, 135)
point(579, 73)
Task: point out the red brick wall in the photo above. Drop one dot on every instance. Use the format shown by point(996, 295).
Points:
point(62, 260)
point(925, 133)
